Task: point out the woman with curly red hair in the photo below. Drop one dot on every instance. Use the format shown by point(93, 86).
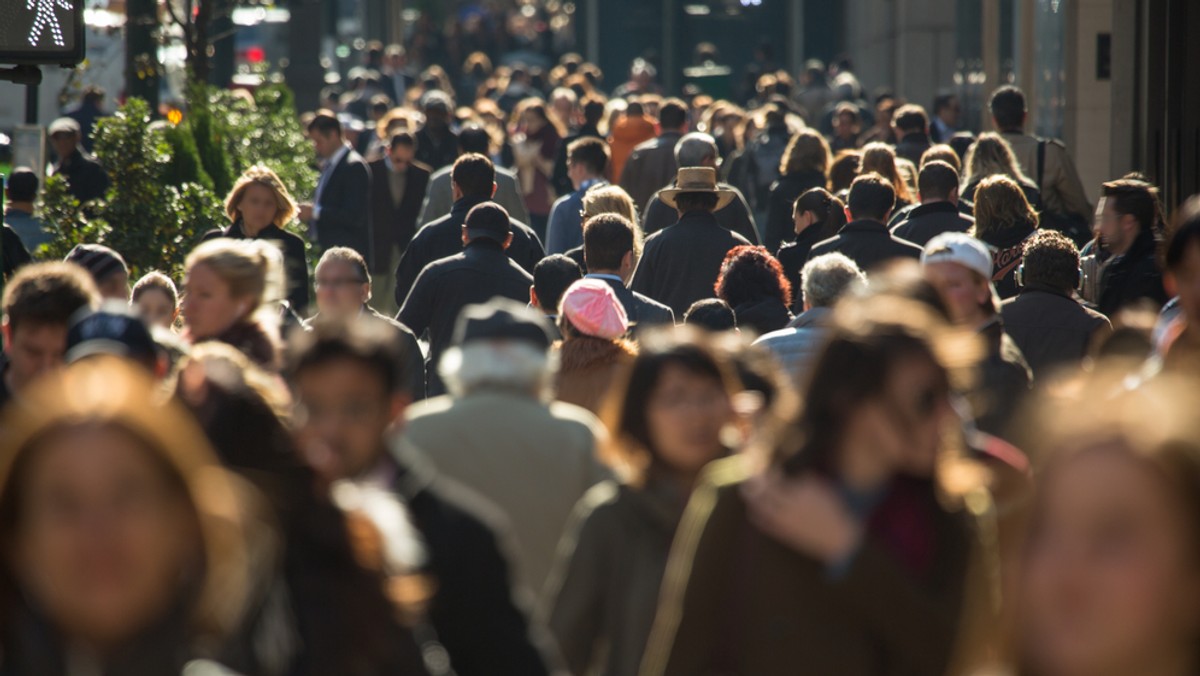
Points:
point(753, 283)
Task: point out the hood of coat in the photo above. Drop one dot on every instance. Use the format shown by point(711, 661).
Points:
point(582, 353)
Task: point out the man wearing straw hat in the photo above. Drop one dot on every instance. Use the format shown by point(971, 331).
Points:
point(680, 263)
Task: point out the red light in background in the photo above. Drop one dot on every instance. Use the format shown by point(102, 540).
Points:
point(255, 55)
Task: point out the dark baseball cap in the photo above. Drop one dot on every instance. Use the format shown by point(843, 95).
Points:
point(488, 220)
point(502, 319)
point(113, 330)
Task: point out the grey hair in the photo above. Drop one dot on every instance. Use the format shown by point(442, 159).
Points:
point(694, 148)
point(515, 366)
point(826, 278)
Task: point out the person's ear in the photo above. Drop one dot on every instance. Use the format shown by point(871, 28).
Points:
point(1170, 284)
point(493, 189)
point(626, 260)
point(6, 332)
point(508, 240)
point(397, 406)
point(465, 240)
point(849, 216)
point(533, 300)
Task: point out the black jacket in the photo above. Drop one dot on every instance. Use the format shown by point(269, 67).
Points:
point(1132, 277)
point(436, 152)
point(346, 207)
point(792, 256)
point(1051, 328)
point(1007, 245)
point(1004, 381)
point(392, 225)
point(650, 167)
point(295, 263)
point(680, 264)
point(443, 237)
point(868, 243)
point(926, 221)
point(642, 312)
point(912, 146)
point(472, 609)
point(735, 216)
point(780, 226)
point(14, 254)
point(414, 361)
point(762, 316)
point(477, 274)
point(85, 177)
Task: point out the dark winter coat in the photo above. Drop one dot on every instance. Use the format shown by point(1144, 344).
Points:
point(780, 225)
point(1007, 244)
point(346, 207)
point(680, 264)
point(295, 262)
point(868, 243)
point(1051, 328)
point(926, 221)
point(762, 316)
point(391, 225)
point(1132, 277)
point(735, 216)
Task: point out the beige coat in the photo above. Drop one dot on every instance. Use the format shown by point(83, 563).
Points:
point(1062, 191)
point(531, 460)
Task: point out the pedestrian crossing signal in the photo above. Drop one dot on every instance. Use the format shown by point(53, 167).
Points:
point(41, 32)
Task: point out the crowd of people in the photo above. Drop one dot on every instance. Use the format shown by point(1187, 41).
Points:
point(613, 384)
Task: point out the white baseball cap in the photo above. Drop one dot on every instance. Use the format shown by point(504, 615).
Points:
point(957, 247)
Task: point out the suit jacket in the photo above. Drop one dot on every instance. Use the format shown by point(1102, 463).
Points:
point(643, 312)
point(345, 206)
point(868, 243)
point(443, 238)
point(680, 264)
point(440, 196)
point(393, 225)
point(650, 167)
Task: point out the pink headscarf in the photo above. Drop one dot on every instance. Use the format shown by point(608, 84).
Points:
point(592, 308)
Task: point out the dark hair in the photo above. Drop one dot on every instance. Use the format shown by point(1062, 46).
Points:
point(1008, 108)
point(48, 293)
point(943, 101)
point(1135, 198)
point(606, 240)
point(911, 117)
point(696, 201)
point(591, 152)
point(961, 142)
point(347, 255)
point(22, 185)
point(750, 273)
point(937, 180)
point(1050, 259)
point(871, 196)
point(628, 406)
point(593, 110)
point(474, 139)
point(843, 170)
point(551, 277)
point(325, 122)
point(1184, 234)
point(93, 94)
point(402, 138)
point(474, 174)
point(829, 210)
point(712, 314)
point(371, 342)
point(672, 114)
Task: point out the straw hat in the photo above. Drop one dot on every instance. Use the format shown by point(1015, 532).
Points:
point(696, 179)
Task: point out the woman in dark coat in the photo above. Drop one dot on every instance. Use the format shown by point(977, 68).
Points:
point(667, 418)
point(753, 284)
point(848, 554)
point(260, 207)
point(816, 216)
point(1004, 220)
point(805, 165)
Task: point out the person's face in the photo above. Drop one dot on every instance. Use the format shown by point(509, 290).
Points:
point(883, 113)
point(802, 220)
point(104, 539)
point(340, 290)
point(1109, 584)
point(531, 121)
point(685, 415)
point(1117, 231)
point(33, 349)
point(257, 207)
point(155, 308)
point(1186, 283)
point(401, 156)
point(961, 290)
point(209, 307)
point(325, 144)
point(64, 143)
point(343, 415)
point(115, 286)
point(951, 113)
point(906, 423)
point(844, 125)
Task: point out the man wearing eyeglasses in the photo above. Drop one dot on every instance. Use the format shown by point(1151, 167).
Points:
point(343, 285)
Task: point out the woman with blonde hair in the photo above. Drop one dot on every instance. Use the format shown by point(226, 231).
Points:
point(881, 159)
point(991, 155)
point(230, 289)
point(805, 165)
point(1004, 220)
point(259, 207)
point(609, 199)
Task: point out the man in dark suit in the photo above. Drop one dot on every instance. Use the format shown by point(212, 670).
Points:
point(938, 212)
point(608, 249)
point(480, 272)
point(473, 181)
point(396, 78)
point(865, 239)
point(652, 164)
point(398, 186)
point(339, 214)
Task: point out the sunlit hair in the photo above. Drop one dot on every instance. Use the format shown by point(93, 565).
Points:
point(612, 199)
point(846, 165)
point(112, 394)
point(991, 155)
point(943, 152)
point(881, 159)
point(806, 151)
point(155, 281)
point(540, 109)
point(253, 269)
point(285, 206)
point(514, 366)
point(999, 203)
point(750, 273)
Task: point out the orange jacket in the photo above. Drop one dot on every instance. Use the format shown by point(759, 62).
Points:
point(626, 134)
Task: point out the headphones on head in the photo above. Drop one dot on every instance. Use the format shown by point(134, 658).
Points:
point(1077, 284)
